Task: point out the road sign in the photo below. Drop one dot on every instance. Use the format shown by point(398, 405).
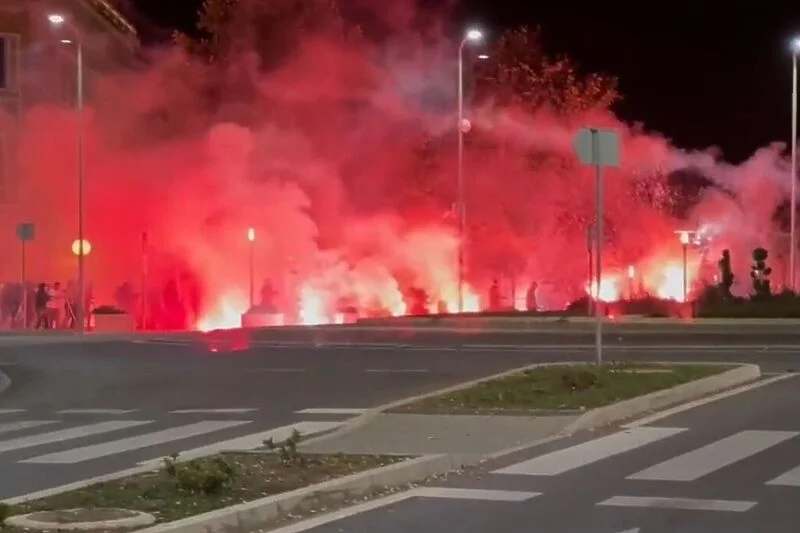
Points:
point(25, 231)
point(597, 147)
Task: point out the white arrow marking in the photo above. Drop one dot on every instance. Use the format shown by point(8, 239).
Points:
point(633, 530)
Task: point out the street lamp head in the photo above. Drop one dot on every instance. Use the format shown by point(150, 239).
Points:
point(795, 45)
point(56, 19)
point(684, 236)
point(66, 41)
point(474, 35)
point(483, 56)
point(251, 234)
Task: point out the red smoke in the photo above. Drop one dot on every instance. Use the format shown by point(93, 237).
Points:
point(322, 155)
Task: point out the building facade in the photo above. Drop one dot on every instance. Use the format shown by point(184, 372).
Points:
point(37, 65)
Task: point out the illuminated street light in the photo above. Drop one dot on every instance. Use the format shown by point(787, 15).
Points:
point(631, 276)
point(685, 237)
point(793, 204)
point(79, 250)
point(483, 56)
point(57, 21)
point(251, 236)
point(472, 35)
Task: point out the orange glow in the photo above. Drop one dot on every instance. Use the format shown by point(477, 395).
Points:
point(631, 272)
point(76, 247)
point(225, 314)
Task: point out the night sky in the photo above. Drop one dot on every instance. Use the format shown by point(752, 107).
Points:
point(700, 76)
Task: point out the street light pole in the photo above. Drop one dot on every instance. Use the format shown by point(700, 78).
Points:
point(58, 21)
point(251, 236)
point(471, 35)
point(793, 203)
point(684, 237)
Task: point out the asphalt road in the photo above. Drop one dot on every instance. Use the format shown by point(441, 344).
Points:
point(263, 386)
point(730, 466)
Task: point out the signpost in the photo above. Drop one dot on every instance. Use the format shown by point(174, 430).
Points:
point(25, 232)
point(598, 148)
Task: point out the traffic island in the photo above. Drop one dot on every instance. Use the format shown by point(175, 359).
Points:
point(227, 488)
point(560, 389)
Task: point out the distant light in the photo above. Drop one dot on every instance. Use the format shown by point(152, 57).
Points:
point(631, 272)
point(251, 234)
point(684, 236)
point(483, 56)
point(56, 19)
point(66, 41)
point(474, 35)
point(76, 247)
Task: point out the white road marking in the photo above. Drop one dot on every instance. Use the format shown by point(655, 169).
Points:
point(703, 401)
point(331, 411)
point(703, 461)
point(396, 370)
point(104, 449)
point(475, 494)
point(689, 504)
point(95, 411)
point(213, 411)
point(790, 478)
point(277, 370)
point(23, 424)
point(71, 433)
point(560, 461)
point(11, 411)
point(252, 441)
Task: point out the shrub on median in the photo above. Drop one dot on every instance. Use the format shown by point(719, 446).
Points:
point(782, 305)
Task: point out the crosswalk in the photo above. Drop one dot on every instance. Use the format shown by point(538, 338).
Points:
point(673, 456)
point(65, 439)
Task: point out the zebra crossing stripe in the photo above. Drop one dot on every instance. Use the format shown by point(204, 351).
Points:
point(10, 427)
point(69, 434)
point(689, 504)
point(703, 461)
point(790, 478)
point(560, 461)
point(104, 449)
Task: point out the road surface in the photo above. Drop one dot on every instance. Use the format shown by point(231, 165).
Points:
point(731, 466)
point(110, 405)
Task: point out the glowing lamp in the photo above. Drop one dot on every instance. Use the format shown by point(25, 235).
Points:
point(251, 234)
point(474, 35)
point(56, 19)
point(76, 247)
point(483, 56)
point(796, 44)
point(631, 272)
point(684, 236)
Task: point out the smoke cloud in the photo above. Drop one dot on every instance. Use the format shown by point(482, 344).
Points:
point(340, 151)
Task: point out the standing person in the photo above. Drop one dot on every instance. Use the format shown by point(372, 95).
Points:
point(40, 305)
point(57, 304)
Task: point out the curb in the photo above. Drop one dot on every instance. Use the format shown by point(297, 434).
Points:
point(632, 407)
point(663, 399)
point(5, 382)
point(249, 516)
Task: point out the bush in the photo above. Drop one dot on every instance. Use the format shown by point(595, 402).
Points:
point(783, 305)
point(204, 477)
point(287, 449)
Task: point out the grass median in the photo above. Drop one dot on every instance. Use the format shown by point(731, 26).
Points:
point(180, 489)
point(560, 388)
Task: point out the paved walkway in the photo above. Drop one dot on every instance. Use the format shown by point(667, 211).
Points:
point(415, 434)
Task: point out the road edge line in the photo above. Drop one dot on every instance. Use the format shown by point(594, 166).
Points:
point(660, 415)
point(5, 382)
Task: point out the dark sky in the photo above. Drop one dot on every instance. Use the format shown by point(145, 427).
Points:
point(700, 76)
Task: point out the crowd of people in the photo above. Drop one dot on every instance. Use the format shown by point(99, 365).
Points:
point(40, 305)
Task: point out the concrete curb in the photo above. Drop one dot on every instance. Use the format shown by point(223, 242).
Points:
point(373, 413)
point(5, 382)
point(666, 398)
point(26, 521)
point(250, 515)
point(694, 390)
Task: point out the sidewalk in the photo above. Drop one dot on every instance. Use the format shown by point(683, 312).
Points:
point(418, 434)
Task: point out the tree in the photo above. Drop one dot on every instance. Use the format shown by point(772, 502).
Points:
point(519, 73)
point(272, 29)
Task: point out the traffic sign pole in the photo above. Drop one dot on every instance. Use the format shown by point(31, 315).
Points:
point(598, 254)
point(598, 148)
point(25, 232)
